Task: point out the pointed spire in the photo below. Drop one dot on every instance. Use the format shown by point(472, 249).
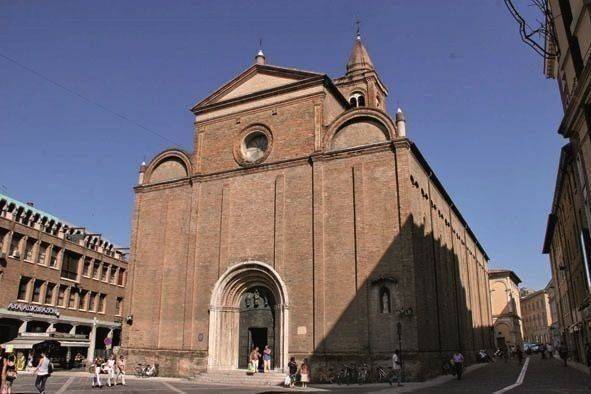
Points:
point(359, 59)
point(260, 57)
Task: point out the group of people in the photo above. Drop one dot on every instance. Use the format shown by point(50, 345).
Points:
point(113, 366)
point(255, 358)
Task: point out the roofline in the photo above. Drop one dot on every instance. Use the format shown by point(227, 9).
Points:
point(533, 294)
point(286, 71)
point(565, 156)
point(49, 216)
point(415, 150)
point(317, 80)
point(497, 273)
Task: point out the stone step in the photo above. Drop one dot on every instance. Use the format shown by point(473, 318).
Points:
point(240, 378)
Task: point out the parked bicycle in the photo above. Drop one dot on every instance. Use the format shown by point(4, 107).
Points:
point(380, 375)
point(146, 370)
point(347, 375)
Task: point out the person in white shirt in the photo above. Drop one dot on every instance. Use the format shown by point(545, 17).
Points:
point(96, 370)
point(397, 367)
point(110, 369)
point(42, 372)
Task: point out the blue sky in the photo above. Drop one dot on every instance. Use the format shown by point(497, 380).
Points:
point(476, 100)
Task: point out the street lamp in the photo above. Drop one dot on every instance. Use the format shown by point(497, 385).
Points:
point(399, 332)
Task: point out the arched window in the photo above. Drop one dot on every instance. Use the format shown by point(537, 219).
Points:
point(357, 100)
point(385, 300)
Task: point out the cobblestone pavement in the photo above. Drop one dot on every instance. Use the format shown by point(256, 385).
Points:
point(541, 376)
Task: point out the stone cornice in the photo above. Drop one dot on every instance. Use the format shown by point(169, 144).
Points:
point(298, 161)
point(575, 109)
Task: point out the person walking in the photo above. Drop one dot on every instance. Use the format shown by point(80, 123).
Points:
point(550, 350)
point(458, 361)
point(254, 359)
point(519, 354)
point(563, 353)
point(43, 372)
point(305, 371)
point(110, 368)
point(96, 373)
point(2, 363)
point(397, 368)
point(293, 371)
point(9, 373)
point(266, 359)
point(120, 370)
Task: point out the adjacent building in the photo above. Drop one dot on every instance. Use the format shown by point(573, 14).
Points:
point(306, 220)
point(567, 239)
point(536, 317)
point(58, 282)
point(506, 308)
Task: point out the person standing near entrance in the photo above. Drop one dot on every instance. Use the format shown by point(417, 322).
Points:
point(305, 373)
point(458, 360)
point(397, 367)
point(293, 371)
point(43, 371)
point(563, 353)
point(254, 359)
point(267, 359)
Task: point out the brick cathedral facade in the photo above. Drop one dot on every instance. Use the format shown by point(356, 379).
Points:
point(306, 220)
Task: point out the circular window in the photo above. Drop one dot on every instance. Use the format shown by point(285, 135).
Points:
point(253, 145)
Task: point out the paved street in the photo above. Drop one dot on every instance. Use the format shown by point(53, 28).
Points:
point(541, 376)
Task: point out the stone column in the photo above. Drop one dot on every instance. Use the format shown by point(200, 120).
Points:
point(92, 345)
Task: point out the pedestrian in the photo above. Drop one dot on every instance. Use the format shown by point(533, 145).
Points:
point(9, 373)
point(397, 368)
point(293, 371)
point(21, 361)
point(305, 373)
point(110, 368)
point(563, 353)
point(96, 373)
point(550, 350)
point(267, 359)
point(458, 362)
point(254, 359)
point(2, 361)
point(43, 371)
point(120, 370)
point(30, 361)
point(543, 351)
point(519, 354)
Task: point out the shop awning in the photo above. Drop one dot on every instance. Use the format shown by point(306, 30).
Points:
point(23, 343)
point(67, 343)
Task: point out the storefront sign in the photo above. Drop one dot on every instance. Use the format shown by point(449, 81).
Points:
point(28, 308)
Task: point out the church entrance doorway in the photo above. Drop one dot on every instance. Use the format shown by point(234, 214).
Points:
point(257, 323)
point(248, 308)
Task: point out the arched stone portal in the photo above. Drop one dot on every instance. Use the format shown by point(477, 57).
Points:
point(229, 294)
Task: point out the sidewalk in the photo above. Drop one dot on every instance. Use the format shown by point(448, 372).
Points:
point(372, 387)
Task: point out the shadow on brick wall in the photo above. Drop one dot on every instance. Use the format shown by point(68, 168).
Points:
point(430, 286)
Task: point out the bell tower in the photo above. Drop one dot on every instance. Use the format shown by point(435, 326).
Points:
point(361, 84)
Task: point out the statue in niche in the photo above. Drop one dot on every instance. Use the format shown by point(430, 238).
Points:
point(256, 298)
point(248, 300)
point(385, 300)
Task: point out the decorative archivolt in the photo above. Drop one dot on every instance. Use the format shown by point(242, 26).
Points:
point(243, 276)
point(168, 165)
point(359, 126)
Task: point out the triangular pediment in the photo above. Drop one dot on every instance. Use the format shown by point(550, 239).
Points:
point(255, 79)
